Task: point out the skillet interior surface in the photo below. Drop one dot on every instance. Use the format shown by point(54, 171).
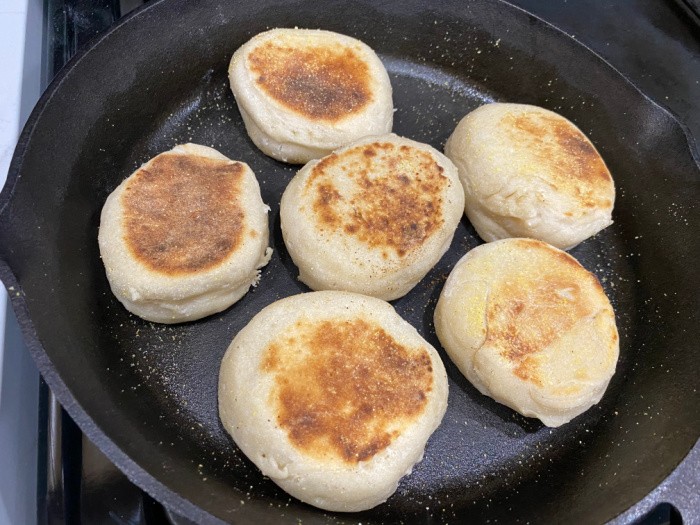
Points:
point(146, 393)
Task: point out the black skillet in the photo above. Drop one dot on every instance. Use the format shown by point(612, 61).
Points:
point(146, 394)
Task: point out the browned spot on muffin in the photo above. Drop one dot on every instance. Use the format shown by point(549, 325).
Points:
point(565, 156)
point(320, 82)
point(327, 198)
point(396, 197)
point(344, 388)
point(541, 249)
point(327, 161)
point(527, 369)
point(525, 315)
point(182, 213)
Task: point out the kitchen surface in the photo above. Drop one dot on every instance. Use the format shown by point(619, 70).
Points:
point(49, 471)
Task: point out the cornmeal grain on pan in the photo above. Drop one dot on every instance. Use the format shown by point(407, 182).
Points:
point(185, 235)
point(303, 93)
point(373, 217)
point(529, 326)
point(333, 396)
point(528, 172)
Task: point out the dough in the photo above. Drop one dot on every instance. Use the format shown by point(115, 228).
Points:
point(528, 172)
point(303, 93)
point(184, 236)
point(333, 396)
point(530, 327)
point(373, 217)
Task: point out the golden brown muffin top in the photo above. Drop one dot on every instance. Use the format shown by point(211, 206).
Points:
point(319, 81)
point(563, 156)
point(386, 195)
point(344, 389)
point(182, 214)
point(545, 296)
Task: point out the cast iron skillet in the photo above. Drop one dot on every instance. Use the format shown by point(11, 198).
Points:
point(146, 394)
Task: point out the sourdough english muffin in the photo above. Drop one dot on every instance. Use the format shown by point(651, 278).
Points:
point(303, 93)
point(184, 236)
point(373, 217)
point(333, 396)
point(528, 172)
point(530, 327)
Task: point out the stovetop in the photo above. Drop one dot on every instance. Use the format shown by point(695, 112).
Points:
point(655, 43)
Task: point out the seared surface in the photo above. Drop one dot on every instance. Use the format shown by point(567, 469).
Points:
point(181, 213)
point(392, 199)
point(345, 389)
point(320, 82)
point(563, 156)
point(525, 314)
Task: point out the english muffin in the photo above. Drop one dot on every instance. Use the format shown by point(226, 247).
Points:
point(529, 172)
point(184, 236)
point(303, 93)
point(530, 327)
point(333, 396)
point(373, 217)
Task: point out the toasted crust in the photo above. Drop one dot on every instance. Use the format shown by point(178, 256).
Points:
point(184, 236)
point(530, 327)
point(387, 195)
point(528, 172)
point(563, 154)
point(373, 217)
point(319, 81)
point(325, 414)
point(182, 213)
point(333, 396)
point(303, 93)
